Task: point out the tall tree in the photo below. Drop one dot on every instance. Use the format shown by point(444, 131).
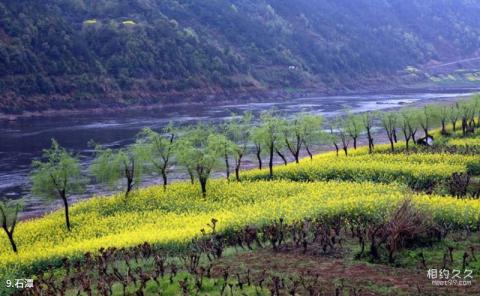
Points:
point(200, 148)
point(389, 122)
point(111, 166)
point(367, 120)
point(344, 136)
point(454, 115)
point(464, 110)
point(8, 218)
point(227, 148)
point(160, 149)
point(476, 112)
point(406, 121)
point(443, 113)
point(281, 147)
point(334, 138)
point(353, 127)
point(292, 136)
point(239, 130)
point(272, 134)
point(427, 117)
point(57, 176)
point(311, 126)
point(258, 138)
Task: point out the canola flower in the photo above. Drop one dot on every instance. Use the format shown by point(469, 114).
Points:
point(172, 218)
point(418, 170)
point(464, 142)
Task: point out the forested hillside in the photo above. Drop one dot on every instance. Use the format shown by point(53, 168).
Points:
point(89, 53)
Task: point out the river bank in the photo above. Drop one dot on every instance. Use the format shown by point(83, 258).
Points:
point(24, 138)
point(257, 96)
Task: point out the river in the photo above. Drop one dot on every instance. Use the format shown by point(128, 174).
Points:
point(22, 140)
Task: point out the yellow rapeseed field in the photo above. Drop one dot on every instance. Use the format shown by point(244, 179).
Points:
point(464, 142)
point(418, 170)
point(173, 217)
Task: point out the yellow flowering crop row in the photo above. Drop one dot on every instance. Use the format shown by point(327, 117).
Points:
point(172, 218)
point(419, 170)
point(464, 142)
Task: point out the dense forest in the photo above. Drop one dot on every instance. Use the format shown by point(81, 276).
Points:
point(92, 53)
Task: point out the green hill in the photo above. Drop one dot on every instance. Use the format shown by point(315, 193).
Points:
point(89, 53)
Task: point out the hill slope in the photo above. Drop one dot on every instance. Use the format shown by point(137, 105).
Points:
point(85, 53)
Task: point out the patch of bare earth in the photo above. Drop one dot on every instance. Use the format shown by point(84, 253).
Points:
point(359, 278)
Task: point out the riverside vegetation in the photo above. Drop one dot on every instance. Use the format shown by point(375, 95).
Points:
point(406, 205)
point(73, 54)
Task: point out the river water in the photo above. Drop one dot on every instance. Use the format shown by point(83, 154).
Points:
point(22, 140)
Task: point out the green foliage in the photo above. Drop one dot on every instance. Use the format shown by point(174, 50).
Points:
point(8, 219)
point(74, 54)
point(353, 127)
point(199, 149)
point(390, 122)
point(58, 174)
point(159, 149)
point(110, 166)
point(304, 130)
point(238, 131)
point(311, 129)
point(9, 212)
point(269, 135)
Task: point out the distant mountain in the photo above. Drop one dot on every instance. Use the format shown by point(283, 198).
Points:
point(88, 53)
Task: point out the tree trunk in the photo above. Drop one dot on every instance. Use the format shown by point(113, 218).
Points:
point(237, 167)
point(270, 162)
point(227, 166)
point(192, 178)
point(355, 143)
point(282, 156)
point(370, 141)
point(12, 242)
point(259, 157)
point(392, 145)
point(336, 147)
point(67, 215)
point(444, 131)
point(129, 174)
point(454, 125)
point(129, 186)
point(309, 152)
point(10, 237)
point(427, 134)
point(345, 149)
point(237, 172)
point(165, 181)
point(203, 184)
